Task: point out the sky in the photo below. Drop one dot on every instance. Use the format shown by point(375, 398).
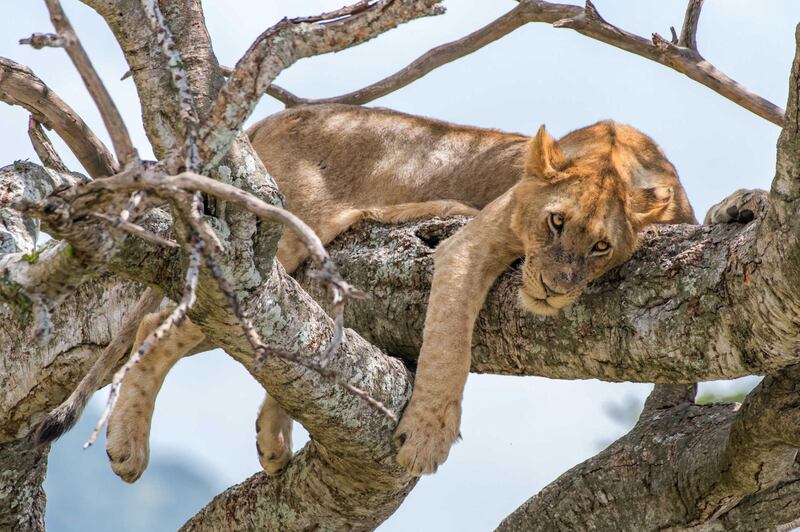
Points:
point(519, 433)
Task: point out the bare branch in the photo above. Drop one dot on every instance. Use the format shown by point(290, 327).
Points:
point(44, 40)
point(685, 60)
point(282, 45)
point(19, 86)
point(108, 110)
point(688, 36)
point(421, 66)
point(43, 147)
point(680, 54)
point(120, 223)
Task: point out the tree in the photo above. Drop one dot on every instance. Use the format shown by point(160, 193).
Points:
point(732, 311)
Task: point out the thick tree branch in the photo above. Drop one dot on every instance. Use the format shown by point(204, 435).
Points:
point(19, 86)
point(694, 303)
point(701, 461)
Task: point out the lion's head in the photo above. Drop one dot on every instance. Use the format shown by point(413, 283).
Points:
point(580, 206)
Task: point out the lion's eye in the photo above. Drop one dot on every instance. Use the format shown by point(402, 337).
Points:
point(556, 222)
point(601, 247)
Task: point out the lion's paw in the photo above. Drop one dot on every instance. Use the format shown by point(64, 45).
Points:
point(274, 450)
point(740, 207)
point(425, 434)
point(128, 451)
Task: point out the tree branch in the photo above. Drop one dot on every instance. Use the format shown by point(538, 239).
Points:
point(43, 147)
point(19, 86)
point(681, 55)
point(701, 461)
point(281, 46)
point(688, 38)
point(108, 111)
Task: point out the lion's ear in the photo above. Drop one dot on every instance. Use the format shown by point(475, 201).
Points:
point(544, 157)
point(650, 205)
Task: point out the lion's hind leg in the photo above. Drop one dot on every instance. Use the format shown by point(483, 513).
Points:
point(128, 432)
point(273, 436)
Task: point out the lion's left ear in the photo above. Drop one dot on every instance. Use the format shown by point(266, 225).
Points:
point(543, 157)
point(650, 205)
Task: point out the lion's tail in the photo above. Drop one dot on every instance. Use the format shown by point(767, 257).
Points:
point(64, 416)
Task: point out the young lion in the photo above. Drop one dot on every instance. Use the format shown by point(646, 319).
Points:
point(572, 208)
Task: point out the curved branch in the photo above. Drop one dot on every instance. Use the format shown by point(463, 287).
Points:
point(19, 86)
point(108, 110)
point(681, 56)
point(284, 44)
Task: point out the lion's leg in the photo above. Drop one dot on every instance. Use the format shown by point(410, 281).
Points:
point(740, 207)
point(273, 436)
point(465, 267)
point(292, 252)
point(129, 427)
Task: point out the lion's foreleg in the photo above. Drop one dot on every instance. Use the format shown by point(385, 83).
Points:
point(465, 267)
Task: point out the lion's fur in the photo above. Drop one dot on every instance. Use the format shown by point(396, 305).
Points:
point(339, 164)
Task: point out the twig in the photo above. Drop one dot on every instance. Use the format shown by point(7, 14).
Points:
point(688, 36)
point(108, 111)
point(279, 93)
point(119, 223)
point(175, 318)
point(179, 79)
point(354, 9)
point(43, 147)
point(43, 40)
point(282, 45)
point(19, 86)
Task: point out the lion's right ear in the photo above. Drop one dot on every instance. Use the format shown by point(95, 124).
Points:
point(544, 157)
point(651, 205)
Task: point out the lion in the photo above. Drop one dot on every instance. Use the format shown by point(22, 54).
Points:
point(571, 208)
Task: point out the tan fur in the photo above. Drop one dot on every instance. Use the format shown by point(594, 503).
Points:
point(127, 438)
point(337, 165)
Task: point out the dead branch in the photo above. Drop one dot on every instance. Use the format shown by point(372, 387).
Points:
point(108, 110)
point(43, 147)
point(688, 36)
point(282, 45)
point(680, 54)
point(430, 60)
point(44, 40)
point(19, 86)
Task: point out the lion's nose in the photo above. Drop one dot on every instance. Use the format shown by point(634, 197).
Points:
point(549, 291)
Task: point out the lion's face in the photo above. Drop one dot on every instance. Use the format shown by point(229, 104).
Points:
point(576, 219)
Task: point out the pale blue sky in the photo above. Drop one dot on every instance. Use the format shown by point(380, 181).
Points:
point(519, 433)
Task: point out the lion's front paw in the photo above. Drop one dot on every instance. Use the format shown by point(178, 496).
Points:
point(425, 434)
point(740, 207)
point(128, 450)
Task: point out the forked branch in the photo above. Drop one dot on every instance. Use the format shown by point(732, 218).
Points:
point(108, 110)
point(679, 54)
point(20, 86)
